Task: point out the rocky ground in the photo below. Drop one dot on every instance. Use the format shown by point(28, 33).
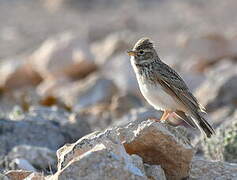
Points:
point(70, 105)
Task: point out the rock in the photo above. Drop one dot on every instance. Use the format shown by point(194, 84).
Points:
point(138, 115)
point(154, 172)
point(91, 91)
point(20, 163)
point(215, 92)
point(16, 73)
point(33, 137)
point(63, 55)
point(97, 156)
point(109, 138)
point(138, 162)
point(39, 157)
point(48, 86)
point(113, 44)
point(223, 146)
point(35, 176)
point(100, 163)
point(205, 170)
point(161, 144)
point(30, 132)
point(17, 174)
point(119, 69)
point(207, 50)
point(3, 177)
point(123, 103)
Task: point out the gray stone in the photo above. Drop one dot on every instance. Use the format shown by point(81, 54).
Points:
point(92, 90)
point(39, 157)
point(100, 164)
point(206, 170)
point(63, 55)
point(154, 172)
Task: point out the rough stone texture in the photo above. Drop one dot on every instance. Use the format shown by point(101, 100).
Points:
point(35, 176)
point(17, 174)
point(30, 132)
point(154, 172)
point(72, 125)
point(223, 146)
point(69, 151)
point(39, 157)
point(18, 163)
point(63, 55)
point(161, 144)
point(206, 170)
point(101, 163)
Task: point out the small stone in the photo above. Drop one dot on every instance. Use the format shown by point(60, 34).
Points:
point(205, 170)
point(154, 172)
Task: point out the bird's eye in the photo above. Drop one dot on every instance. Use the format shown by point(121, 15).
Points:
point(141, 52)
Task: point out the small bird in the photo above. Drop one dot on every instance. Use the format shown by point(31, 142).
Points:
point(164, 89)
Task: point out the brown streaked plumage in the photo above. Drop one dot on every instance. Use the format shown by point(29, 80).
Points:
point(164, 89)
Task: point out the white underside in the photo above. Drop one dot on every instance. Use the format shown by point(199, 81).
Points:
point(155, 95)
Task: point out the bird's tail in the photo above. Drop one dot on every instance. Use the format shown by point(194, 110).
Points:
point(202, 124)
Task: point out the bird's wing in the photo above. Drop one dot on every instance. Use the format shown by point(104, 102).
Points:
point(174, 85)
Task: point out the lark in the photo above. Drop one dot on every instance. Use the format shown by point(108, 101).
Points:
point(164, 89)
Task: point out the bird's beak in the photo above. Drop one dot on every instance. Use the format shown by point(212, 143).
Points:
point(131, 53)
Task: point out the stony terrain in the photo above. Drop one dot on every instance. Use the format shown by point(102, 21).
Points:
point(70, 104)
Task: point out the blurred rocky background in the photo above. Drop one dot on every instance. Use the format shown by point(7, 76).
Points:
point(64, 74)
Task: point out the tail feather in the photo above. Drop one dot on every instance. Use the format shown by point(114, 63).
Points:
point(203, 125)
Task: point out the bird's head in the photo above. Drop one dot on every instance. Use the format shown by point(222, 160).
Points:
point(143, 51)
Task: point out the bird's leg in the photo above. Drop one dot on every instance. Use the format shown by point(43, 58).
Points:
point(165, 115)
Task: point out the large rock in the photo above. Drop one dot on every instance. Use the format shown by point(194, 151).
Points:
point(43, 127)
point(101, 164)
point(205, 170)
point(161, 144)
point(63, 55)
point(45, 134)
point(97, 156)
point(156, 143)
